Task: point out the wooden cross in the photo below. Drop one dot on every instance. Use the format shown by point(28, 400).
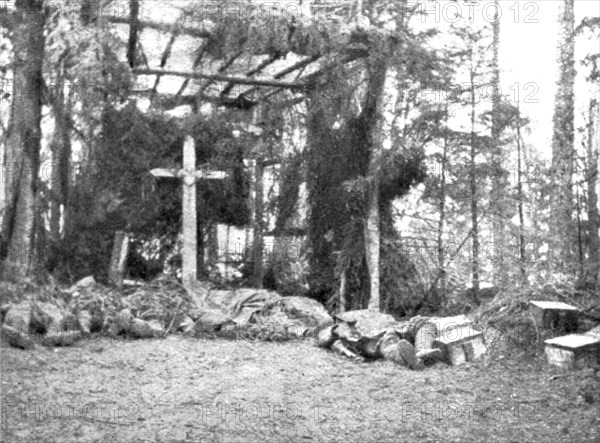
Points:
point(189, 176)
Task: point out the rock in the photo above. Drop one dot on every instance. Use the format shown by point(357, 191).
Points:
point(341, 348)
point(182, 322)
point(47, 318)
point(61, 338)
point(70, 322)
point(82, 284)
point(210, 322)
point(85, 321)
point(122, 323)
point(18, 317)
point(297, 316)
point(145, 329)
point(17, 337)
point(326, 335)
point(348, 333)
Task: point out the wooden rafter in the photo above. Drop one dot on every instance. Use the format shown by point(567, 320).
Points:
point(163, 61)
point(223, 78)
point(299, 65)
point(197, 61)
point(164, 27)
point(271, 59)
point(226, 64)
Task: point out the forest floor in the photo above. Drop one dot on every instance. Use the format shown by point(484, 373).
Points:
point(179, 389)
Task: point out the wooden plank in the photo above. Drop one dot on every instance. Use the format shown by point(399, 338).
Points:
point(554, 305)
point(459, 334)
point(574, 342)
point(446, 324)
point(221, 77)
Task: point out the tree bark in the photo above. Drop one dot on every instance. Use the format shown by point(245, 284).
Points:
point(520, 202)
point(562, 229)
point(593, 157)
point(442, 219)
point(60, 148)
point(23, 141)
point(474, 202)
point(499, 184)
point(372, 230)
point(258, 241)
point(343, 291)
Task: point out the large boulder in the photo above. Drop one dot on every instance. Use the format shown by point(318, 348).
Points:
point(210, 323)
point(296, 316)
point(239, 304)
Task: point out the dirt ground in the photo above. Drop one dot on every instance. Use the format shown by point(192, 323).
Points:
point(191, 390)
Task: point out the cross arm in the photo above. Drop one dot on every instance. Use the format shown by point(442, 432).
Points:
point(179, 173)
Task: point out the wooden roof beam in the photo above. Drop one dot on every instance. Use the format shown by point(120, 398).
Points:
point(223, 78)
point(164, 27)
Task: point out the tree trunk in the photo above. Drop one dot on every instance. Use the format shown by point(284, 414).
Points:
point(372, 229)
point(474, 202)
point(442, 220)
point(520, 200)
point(23, 141)
point(593, 156)
point(562, 229)
point(343, 291)
point(61, 155)
point(499, 185)
point(258, 271)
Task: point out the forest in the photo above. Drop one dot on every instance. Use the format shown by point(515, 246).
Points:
point(280, 170)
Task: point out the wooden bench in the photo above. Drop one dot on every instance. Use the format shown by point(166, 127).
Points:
point(554, 315)
point(574, 351)
point(460, 344)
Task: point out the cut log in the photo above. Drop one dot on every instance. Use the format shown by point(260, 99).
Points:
point(574, 351)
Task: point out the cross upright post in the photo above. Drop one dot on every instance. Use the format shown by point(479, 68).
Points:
point(189, 175)
point(190, 236)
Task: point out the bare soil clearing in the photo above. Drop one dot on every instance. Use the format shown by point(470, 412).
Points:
point(178, 389)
